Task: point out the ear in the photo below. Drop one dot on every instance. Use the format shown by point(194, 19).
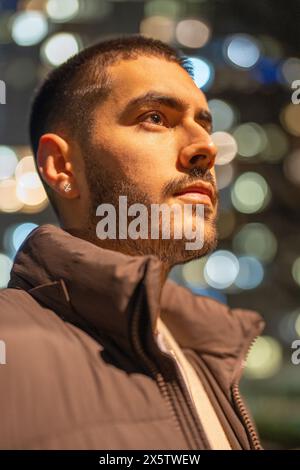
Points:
point(55, 165)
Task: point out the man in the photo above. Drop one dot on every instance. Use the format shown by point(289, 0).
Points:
point(103, 352)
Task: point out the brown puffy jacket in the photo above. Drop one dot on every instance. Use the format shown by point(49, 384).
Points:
point(83, 369)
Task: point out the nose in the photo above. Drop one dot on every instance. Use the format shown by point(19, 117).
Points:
point(199, 154)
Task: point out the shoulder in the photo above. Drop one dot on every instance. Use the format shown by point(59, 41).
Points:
point(19, 309)
point(34, 334)
point(180, 297)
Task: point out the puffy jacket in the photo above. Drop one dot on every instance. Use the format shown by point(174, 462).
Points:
point(83, 369)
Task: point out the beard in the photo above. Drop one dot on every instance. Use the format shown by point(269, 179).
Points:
point(105, 187)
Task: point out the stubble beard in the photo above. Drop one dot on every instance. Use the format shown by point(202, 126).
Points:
point(106, 188)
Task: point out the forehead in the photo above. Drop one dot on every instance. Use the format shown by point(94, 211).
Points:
point(135, 77)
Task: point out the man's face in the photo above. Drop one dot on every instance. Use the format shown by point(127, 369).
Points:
point(151, 150)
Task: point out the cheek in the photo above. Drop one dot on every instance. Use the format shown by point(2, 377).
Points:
point(147, 159)
point(140, 151)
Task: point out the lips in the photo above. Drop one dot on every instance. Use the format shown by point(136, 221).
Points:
point(202, 189)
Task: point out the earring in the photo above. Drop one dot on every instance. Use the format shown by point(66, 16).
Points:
point(67, 187)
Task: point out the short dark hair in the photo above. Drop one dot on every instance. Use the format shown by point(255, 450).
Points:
point(57, 104)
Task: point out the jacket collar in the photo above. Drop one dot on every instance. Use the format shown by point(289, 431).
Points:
point(86, 284)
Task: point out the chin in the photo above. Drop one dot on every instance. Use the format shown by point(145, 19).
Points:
point(183, 255)
point(172, 252)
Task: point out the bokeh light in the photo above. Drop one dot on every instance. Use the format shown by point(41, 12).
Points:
point(59, 48)
point(20, 233)
point(9, 201)
point(242, 51)
point(30, 190)
point(265, 358)
point(15, 234)
point(62, 11)
point(158, 27)
point(256, 239)
point(192, 33)
point(25, 165)
point(221, 269)
point(251, 139)
point(250, 193)
point(222, 113)
point(29, 28)
point(251, 273)
point(290, 119)
point(8, 162)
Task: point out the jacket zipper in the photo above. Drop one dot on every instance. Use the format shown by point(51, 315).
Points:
point(254, 439)
point(241, 407)
point(239, 404)
point(166, 389)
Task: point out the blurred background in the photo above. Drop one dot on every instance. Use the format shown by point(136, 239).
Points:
point(246, 57)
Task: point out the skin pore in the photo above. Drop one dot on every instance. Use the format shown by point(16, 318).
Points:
point(146, 149)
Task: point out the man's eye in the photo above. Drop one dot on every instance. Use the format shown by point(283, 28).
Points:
point(155, 118)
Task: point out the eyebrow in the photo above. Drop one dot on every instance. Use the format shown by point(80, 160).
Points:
point(173, 102)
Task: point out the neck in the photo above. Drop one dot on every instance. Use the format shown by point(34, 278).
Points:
point(165, 268)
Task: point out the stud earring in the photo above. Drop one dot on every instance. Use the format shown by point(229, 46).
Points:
point(67, 187)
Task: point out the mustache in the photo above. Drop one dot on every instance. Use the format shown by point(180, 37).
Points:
point(194, 176)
